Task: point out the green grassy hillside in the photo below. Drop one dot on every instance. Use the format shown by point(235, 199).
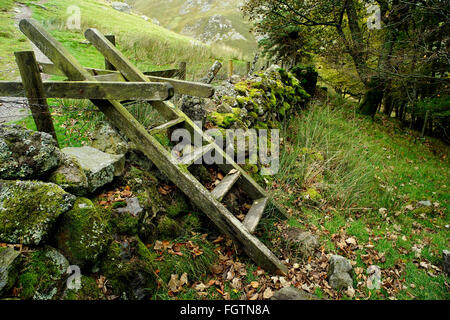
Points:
point(150, 46)
point(214, 21)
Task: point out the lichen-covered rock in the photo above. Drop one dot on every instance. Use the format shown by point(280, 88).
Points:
point(107, 139)
point(43, 276)
point(307, 75)
point(339, 270)
point(10, 261)
point(303, 242)
point(194, 108)
point(28, 210)
point(100, 167)
point(128, 267)
point(71, 177)
point(26, 154)
point(82, 233)
point(87, 290)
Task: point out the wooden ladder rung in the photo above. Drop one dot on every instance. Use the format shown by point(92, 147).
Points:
point(254, 214)
point(192, 157)
point(166, 125)
point(225, 185)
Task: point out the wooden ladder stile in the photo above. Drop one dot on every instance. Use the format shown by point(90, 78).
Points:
point(208, 202)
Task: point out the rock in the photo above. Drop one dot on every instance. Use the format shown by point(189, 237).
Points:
point(235, 79)
point(71, 177)
point(446, 261)
point(82, 233)
point(88, 290)
point(107, 139)
point(339, 273)
point(125, 220)
point(304, 242)
point(194, 108)
point(168, 228)
point(121, 6)
point(28, 210)
point(26, 154)
point(425, 203)
point(156, 21)
point(128, 266)
point(10, 261)
point(99, 167)
point(291, 293)
point(43, 275)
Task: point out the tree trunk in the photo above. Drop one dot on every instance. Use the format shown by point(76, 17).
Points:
point(372, 97)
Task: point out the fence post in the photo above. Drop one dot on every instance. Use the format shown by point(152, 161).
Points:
point(425, 123)
point(182, 70)
point(112, 39)
point(34, 90)
point(230, 68)
point(248, 68)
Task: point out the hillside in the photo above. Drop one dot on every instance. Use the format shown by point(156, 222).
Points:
point(150, 46)
point(210, 21)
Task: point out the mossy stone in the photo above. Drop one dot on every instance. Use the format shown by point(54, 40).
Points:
point(29, 210)
point(82, 233)
point(43, 275)
point(168, 228)
point(128, 266)
point(88, 290)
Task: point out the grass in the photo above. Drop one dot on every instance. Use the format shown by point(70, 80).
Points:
point(149, 46)
point(369, 172)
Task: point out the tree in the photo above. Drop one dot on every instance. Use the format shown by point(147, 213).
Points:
point(372, 51)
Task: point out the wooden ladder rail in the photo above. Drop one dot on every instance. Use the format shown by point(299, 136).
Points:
point(123, 120)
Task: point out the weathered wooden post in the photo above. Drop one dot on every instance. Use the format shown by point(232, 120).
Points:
point(247, 69)
point(108, 65)
point(34, 90)
point(425, 123)
point(230, 68)
point(182, 71)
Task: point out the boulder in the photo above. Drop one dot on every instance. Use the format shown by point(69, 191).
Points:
point(128, 266)
point(26, 154)
point(446, 261)
point(291, 293)
point(303, 242)
point(9, 268)
point(121, 6)
point(71, 177)
point(107, 139)
point(100, 167)
point(339, 273)
point(44, 274)
point(82, 233)
point(125, 220)
point(28, 210)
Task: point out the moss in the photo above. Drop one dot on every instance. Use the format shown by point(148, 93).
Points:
point(82, 234)
point(241, 87)
point(176, 205)
point(119, 204)
point(168, 228)
point(162, 138)
point(124, 223)
point(311, 194)
point(224, 120)
point(29, 209)
point(129, 268)
point(191, 222)
point(422, 211)
point(88, 291)
point(43, 275)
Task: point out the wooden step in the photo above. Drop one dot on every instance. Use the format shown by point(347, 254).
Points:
point(166, 125)
point(225, 185)
point(254, 214)
point(198, 153)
